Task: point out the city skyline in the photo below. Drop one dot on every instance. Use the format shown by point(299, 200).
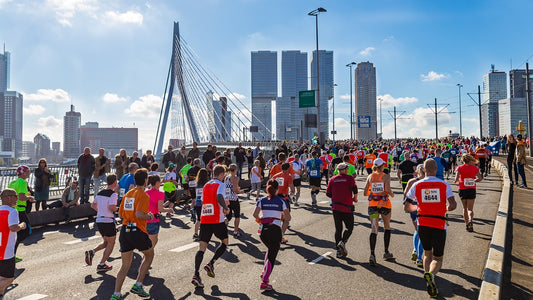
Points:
point(114, 55)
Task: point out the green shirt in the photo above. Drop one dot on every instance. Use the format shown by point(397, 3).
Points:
point(21, 187)
point(351, 170)
point(183, 173)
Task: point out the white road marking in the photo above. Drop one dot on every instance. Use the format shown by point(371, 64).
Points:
point(321, 257)
point(50, 232)
point(185, 247)
point(324, 202)
point(33, 297)
point(82, 240)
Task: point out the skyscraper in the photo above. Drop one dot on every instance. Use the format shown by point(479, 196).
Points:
point(494, 89)
point(264, 91)
point(326, 88)
point(289, 117)
point(11, 121)
point(71, 133)
point(4, 70)
point(517, 83)
point(42, 145)
point(218, 115)
point(365, 101)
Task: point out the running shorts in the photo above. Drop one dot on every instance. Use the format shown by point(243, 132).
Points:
point(132, 240)
point(315, 181)
point(152, 228)
point(107, 229)
point(220, 230)
point(198, 211)
point(297, 182)
point(235, 208)
point(432, 239)
point(7, 268)
point(372, 210)
point(467, 194)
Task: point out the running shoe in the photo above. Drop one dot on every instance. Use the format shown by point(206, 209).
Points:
point(342, 248)
point(284, 240)
point(103, 268)
point(470, 227)
point(339, 254)
point(237, 234)
point(265, 286)
point(431, 286)
point(296, 203)
point(195, 237)
point(89, 257)
point(419, 263)
point(388, 256)
point(372, 260)
point(414, 255)
point(119, 297)
point(197, 281)
point(210, 269)
point(139, 290)
point(18, 259)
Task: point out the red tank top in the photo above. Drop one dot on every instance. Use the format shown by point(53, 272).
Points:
point(211, 211)
point(431, 197)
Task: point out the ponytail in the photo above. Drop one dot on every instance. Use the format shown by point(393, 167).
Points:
point(272, 188)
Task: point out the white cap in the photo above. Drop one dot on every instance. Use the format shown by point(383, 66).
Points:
point(378, 162)
point(341, 151)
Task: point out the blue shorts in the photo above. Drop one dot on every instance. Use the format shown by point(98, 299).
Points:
point(152, 228)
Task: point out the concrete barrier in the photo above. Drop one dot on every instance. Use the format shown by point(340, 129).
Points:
point(492, 275)
point(54, 215)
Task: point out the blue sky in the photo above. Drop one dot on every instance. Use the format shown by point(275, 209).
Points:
point(110, 58)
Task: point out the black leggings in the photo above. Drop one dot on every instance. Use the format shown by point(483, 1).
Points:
point(24, 233)
point(510, 167)
point(340, 218)
point(271, 237)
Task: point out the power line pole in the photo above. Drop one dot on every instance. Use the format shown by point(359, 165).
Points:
point(395, 117)
point(528, 98)
point(436, 111)
point(460, 112)
point(381, 117)
point(478, 103)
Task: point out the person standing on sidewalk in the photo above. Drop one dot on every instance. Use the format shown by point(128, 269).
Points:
point(511, 156)
point(42, 184)
point(86, 166)
point(343, 193)
point(521, 160)
point(102, 165)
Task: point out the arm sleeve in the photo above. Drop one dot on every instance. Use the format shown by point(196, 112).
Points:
point(411, 193)
point(449, 192)
point(13, 218)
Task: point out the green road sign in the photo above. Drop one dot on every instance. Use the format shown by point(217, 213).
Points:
point(307, 98)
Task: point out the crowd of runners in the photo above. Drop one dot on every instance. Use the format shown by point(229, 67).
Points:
point(208, 187)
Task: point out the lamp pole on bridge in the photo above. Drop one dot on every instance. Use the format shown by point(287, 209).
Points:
point(315, 14)
point(351, 102)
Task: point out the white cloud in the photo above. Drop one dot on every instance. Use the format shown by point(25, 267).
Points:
point(113, 98)
point(390, 101)
point(2, 2)
point(67, 9)
point(420, 123)
point(389, 38)
point(33, 110)
point(131, 17)
point(367, 51)
point(237, 95)
point(345, 97)
point(433, 76)
point(341, 123)
point(49, 122)
point(147, 106)
point(65, 22)
point(57, 95)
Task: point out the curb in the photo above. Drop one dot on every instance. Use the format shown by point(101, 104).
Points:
point(492, 274)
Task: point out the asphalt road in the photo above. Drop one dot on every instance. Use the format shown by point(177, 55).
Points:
point(54, 267)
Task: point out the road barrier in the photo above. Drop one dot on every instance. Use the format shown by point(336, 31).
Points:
point(492, 275)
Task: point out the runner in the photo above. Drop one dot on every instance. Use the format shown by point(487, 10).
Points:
point(232, 195)
point(191, 181)
point(170, 187)
point(418, 250)
point(467, 175)
point(212, 222)
point(298, 167)
point(105, 204)
point(360, 154)
point(378, 190)
point(157, 200)
point(343, 193)
point(256, 180)
point(269, 212)
point(386, 157)
point(481, 156)
point(313, 168)
point(285, 183)
point(369, 161)
point(325, 158)
point(20, 185)
point(134, 211)
point(9, 226)
point(406, 170)
point(431, 194)
point(127, 181)
point(185, 180)
point(201, 179)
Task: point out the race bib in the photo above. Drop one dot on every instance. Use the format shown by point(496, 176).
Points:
point(192, 183)
point(121, 192)
point(470, 182)
point(430, 195)
point(369, 161)
point(313, 173)
point(228, 192)
point(129, 203)
point(378, 187)
point(208, 210)
point(198, 197)
point(281, 181)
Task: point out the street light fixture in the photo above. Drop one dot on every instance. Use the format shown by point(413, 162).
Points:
point(460, 112)
point(381, 118)
point(315, 14)
point(333, 131)
point(352, 129)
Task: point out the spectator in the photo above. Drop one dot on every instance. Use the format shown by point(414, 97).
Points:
point(147, 160)
point(250, 160)
point(135, 158)
point(86, 166)
point(194, 152)
point(121, 163)
point(240, 155)
point(69, 198)
point(257, 150)
point(521, 159)
point(42, 184)
point(208, 155)
point(102, 165)
point(262, 163)
point(181, 158)
point(169, 157)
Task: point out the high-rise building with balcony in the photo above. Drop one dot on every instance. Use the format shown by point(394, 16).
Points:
point(365, 101)
point(11, 121)
point(4, 70)
point(494, 89)
point(264, 91)
point(71, 133)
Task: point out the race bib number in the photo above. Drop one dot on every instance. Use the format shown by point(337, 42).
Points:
point(129, 203)
point(228, 192)
point(369, 161)
point(281, 181)
point(313, 173)
point(470, 182)
point(192, 183)
point(378, 187)
point(121, 192)
point(430, 195)
point(208, 210)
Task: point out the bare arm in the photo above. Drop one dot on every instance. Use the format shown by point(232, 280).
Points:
point(451, 203)
point(144, 216)
point(388, 189)
point(365, 191)
point(479, 177)
point(17, 227)
point(256, 212)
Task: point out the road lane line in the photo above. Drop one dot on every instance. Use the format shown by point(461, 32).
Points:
point(33, 297)
point(321, 257)
point(324, 202)
point(50, 232)
point(81, 240)
point(185, 247)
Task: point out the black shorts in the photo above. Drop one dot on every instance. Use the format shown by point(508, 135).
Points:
point(432, 239)
point(297, 182)
point(107, 229)
point(467, 194)
point(220, 230)
point(395, 159)
point(185, 186)
point(372, 210)
point(132, 240)
point(198, 211)
point(361, 161)
point(235, 208)
point(386, 170)
point(315, 181)
point(7, 268)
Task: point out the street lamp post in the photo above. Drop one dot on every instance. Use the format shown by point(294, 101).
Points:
point(352, 129)
point(315, 14)
point(460, 112)
point(334, 132)
point(380, 118)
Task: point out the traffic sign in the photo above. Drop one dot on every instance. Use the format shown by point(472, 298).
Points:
point(307, 98)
